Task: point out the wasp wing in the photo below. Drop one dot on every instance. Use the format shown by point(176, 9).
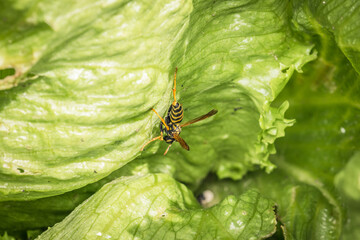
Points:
point(209, 114)
point(181, 141)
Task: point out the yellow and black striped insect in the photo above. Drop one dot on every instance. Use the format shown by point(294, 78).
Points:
point(170, 126)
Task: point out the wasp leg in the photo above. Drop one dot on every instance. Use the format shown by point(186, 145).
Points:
point(174, 89)
point(163, 121)
point(154, 139)
point(167, 149)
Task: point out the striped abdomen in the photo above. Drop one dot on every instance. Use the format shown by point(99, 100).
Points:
point(176, 113)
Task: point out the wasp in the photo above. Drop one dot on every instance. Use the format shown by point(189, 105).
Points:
point(170, 127)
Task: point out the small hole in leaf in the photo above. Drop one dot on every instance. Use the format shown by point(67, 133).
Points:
point(6, 72)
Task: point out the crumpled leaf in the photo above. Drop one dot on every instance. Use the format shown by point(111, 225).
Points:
point(302, 211)
point(314, 186)
point(314, 156)
point(157, 207)
point(319, 145)
point(325, 104)
point(335, 19)
point(84, 109)
point(236, 56)
point(44, 212)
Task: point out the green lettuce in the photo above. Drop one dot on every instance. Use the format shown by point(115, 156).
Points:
point(82, 110)
point(314, 186)
point(78, 83)
point(158, 207)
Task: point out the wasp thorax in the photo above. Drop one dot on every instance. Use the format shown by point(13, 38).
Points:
point(175, 129)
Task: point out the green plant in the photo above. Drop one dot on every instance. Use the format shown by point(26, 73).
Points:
point(78, 80)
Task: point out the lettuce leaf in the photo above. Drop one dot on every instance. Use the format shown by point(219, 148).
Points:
point(79, 82)
point(314, 186)
point(228, 66)
point(39, 213)
point(317, 150)
point(158, 207)
point(44, 212)
point(302, 211)
point(237, 54)
point(82, 110)
point(325, 104)
point(337, 24)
